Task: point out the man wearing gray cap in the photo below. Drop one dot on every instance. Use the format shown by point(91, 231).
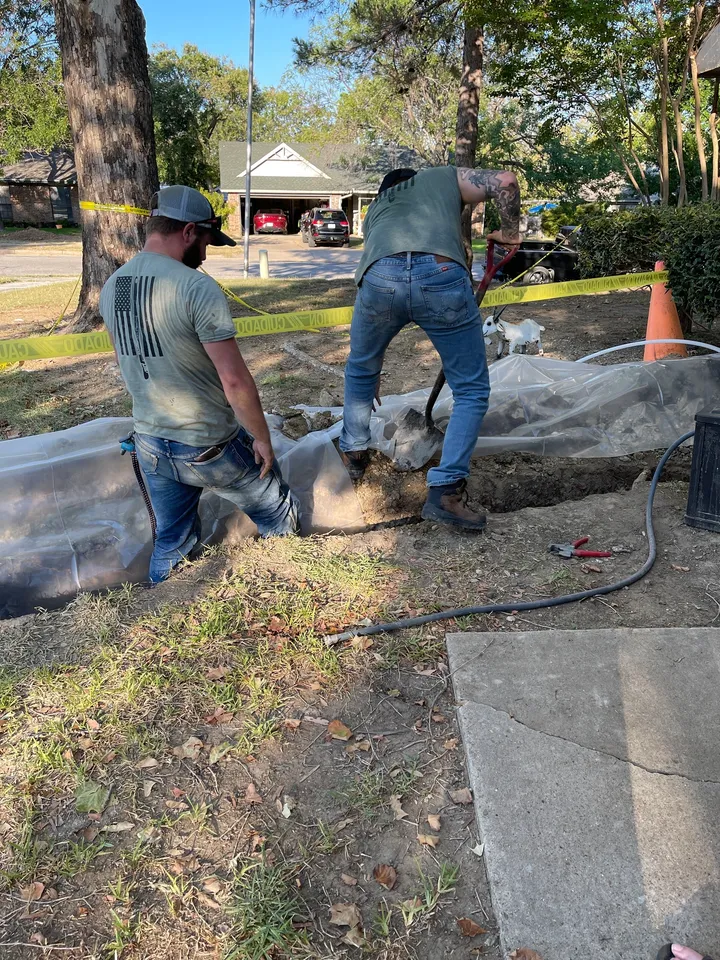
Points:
point(198, 419)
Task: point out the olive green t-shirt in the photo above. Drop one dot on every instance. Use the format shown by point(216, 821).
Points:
point(421, 215)
point(159, 314)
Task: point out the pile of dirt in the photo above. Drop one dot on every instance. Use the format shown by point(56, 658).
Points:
point(27, 234)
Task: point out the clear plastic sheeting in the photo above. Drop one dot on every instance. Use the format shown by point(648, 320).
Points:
point(564, 409)
point(72, 517)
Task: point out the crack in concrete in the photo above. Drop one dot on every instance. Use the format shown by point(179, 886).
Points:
point(584, 746)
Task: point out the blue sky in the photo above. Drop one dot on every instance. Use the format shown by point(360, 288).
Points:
point(220, 27)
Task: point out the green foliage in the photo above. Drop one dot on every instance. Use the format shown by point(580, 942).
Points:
point(568, 213)
point(217, 202)
point(33, 115)
point(626, 242)
point(687, 240)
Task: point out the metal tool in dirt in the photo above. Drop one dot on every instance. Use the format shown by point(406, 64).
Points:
point(568, 550)
point(417, 439)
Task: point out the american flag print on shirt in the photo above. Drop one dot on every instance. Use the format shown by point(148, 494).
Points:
point(135, 326)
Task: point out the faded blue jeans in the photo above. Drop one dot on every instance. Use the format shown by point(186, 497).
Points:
point(439, 298)
point(175, 481)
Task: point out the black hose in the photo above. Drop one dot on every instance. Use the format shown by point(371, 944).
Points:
point(145, 495)
point(536, 604)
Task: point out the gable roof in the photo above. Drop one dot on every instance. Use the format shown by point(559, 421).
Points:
point(55, 167)
point(343, 167)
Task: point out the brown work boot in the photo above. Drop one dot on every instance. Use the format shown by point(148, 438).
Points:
point(449, 504)
point(356, 462)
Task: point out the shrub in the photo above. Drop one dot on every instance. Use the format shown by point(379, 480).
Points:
point(687, 240)
point(217, 202)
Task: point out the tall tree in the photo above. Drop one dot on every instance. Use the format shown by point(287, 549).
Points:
point(107, 88)
point(33, 115)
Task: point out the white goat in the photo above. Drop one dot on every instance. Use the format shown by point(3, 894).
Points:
point(514, 334)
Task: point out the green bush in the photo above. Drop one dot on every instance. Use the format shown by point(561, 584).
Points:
point(687, 240)
point(217, 202)
point(568, 213)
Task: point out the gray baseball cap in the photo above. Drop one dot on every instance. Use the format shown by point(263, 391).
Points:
point(190, 206)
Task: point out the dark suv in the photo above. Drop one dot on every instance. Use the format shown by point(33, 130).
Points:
point(325, 226)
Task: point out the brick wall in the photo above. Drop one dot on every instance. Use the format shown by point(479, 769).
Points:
point(31, 203)
point(234, 223)
point(335, 201)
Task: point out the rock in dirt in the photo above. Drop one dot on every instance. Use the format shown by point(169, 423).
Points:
point(295, 427)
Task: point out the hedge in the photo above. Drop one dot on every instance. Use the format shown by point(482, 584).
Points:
point(687, 240)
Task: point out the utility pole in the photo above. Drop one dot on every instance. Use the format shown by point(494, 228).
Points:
point(248, 161)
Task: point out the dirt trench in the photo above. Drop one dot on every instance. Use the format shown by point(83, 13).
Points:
point(508, 482)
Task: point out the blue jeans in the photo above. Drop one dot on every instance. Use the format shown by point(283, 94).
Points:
point(439, 298)
point(175, 481)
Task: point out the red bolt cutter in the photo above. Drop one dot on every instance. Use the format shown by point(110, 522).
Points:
point(571, 549)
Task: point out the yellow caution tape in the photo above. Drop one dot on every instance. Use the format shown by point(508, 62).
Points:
point(571, 288)
point(80, 344)
point(113, 208)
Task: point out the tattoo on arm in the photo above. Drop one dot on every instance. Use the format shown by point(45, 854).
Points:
point(500, 186)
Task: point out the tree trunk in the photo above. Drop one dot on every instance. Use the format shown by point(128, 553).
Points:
point(105, 72)
point(679, 155)
point(698, 127)
point(466, 131)
point(715, 185)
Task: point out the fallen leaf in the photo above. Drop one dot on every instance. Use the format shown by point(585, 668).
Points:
point(217, 673)
point(341, 824)
point(207, 901)
point(393, 693)
point(251, 794)
point(385, 875)
point(147, 763)
point(478, 849)
point(221, 715)
point(438, 718)
point(89, 833)
point(434, 822)
point(425, 671)
point(320, 721)
point(462, 796)
point(176, 805)
point(276, 625)
point(451, 744)
point(149, 834)
point(190, 750)
point(362, 745)
point(428, 841)
point(68, 755)
point(109, 757)
point(219, 750)
point(524, 953)
point(396, 807)
point(33, 891)
point(588, 568)
point(292, 723)
point(338, 730)
point(354, 937)
point(177, 792)
point(93, 724)
point(469, 928)
point(51, 893)
point(348, 880)
point(38, 938)
point(680, 569)
point(345, 915)
point(85, 743)
point(121, 827)
point(148, 787)
point(212, 885)
point(286, 806)
point(91, 797)
point(361, 643)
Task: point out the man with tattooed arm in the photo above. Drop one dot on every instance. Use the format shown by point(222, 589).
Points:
point(413, 269)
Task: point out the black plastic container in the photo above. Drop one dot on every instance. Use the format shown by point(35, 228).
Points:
point(703, 508)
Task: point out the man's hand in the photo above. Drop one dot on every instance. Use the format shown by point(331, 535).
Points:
point(265, 455)
point(510, 243)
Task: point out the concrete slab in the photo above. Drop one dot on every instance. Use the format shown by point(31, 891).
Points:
point(594, 764)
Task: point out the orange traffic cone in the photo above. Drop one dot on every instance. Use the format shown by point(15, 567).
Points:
point(663, 323)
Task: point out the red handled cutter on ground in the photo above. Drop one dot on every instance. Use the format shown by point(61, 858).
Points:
point(568, 550)
point(417, 439)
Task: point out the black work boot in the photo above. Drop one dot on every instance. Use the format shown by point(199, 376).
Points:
point(449, 504)
point(356, 462)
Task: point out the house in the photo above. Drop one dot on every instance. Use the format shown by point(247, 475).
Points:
point(297, 176)
point(40, 190)
point(708, 55)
